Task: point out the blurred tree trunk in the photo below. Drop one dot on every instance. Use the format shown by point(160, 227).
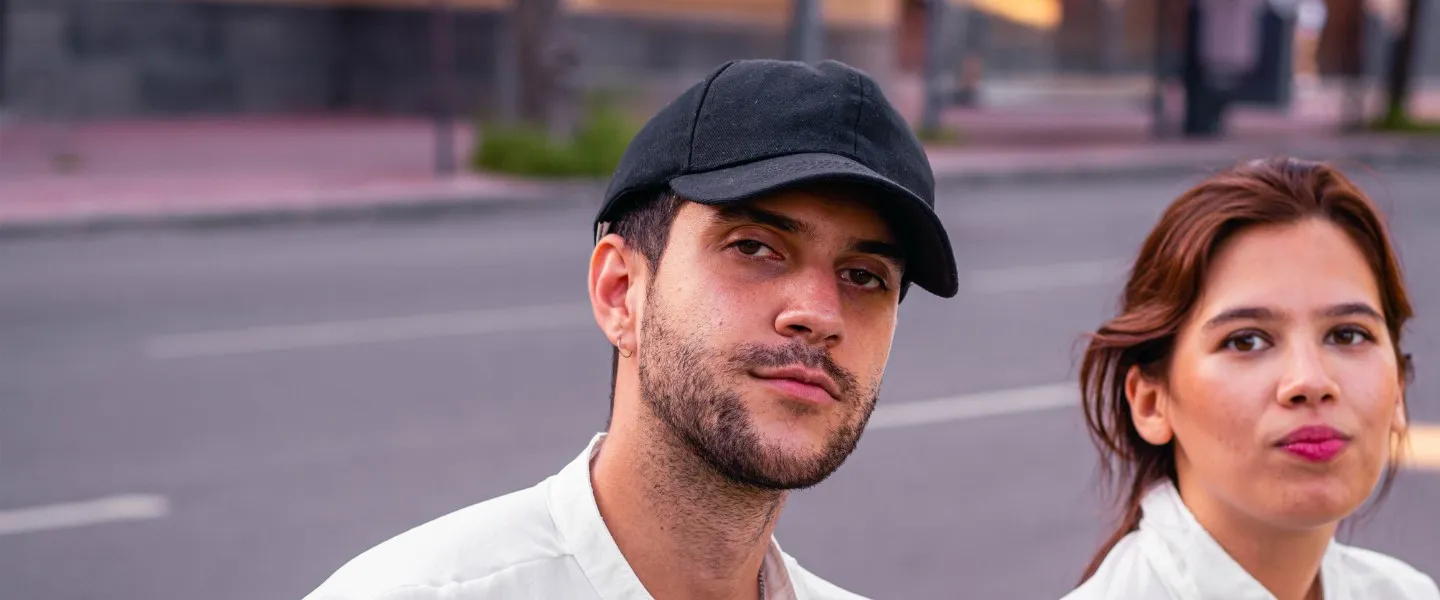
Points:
point(546, 64)
point(1402, 66)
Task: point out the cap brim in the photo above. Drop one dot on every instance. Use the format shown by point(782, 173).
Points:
point(930, 261)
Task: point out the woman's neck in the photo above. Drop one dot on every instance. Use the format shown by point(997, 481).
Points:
point(1285, 561)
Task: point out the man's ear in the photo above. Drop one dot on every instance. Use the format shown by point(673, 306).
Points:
point(612, 274)
point(1149, 407)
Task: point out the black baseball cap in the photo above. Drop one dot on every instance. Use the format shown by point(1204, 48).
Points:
point(755, 127)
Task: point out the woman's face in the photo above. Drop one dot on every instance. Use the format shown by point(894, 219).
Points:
point(1284, 387)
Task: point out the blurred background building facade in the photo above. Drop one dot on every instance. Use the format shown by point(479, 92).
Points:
point(127, 58)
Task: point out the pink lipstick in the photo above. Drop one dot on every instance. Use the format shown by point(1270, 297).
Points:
point(1315, 443)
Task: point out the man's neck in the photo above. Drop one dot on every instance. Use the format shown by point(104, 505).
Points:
point(686, 531)
point(1286, 562)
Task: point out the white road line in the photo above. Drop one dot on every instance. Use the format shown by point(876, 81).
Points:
point(112, 509)
point(143, 507)
point(339, 333)
point(974, 406)
point(479, 322)
point(1045, 277)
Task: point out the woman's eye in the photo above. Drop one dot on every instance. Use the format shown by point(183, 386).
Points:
point(1246, 342)
point(753, 248)
point(864, 279)
point(1349, 336)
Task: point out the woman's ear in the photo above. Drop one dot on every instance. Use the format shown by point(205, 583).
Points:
point(1399, 422)
point(1149, 407)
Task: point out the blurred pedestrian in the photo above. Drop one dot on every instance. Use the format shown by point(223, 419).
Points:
point(1252, 394)
point(1310, 17)
point(752, 252)
point(1224, 47)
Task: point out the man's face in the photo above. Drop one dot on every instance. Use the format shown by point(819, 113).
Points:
point(765, 333)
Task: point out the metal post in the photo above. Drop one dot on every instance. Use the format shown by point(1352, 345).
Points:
point(807, 31)
point(4, 66)
point(935, 13)
point(1158, 127)
point(507, 66)
point(1356, 80)
point(1112, 27)
point(443, 28)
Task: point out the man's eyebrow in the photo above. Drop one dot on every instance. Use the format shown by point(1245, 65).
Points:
point(887, 250)
point(736, 214)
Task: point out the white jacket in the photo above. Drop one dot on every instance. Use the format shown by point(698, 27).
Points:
point(545, 542)
point(1171, 557)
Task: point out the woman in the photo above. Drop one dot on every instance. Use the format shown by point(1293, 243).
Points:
point(1251, 393)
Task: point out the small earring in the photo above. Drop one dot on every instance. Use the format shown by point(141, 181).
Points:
point(622, 352)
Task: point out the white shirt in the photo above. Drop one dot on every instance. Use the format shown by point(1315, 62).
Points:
point(547, 541)
point(1171, 557)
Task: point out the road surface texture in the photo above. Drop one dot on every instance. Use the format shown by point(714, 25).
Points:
point(232, 414)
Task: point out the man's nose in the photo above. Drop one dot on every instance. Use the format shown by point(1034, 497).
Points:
point(813, 310)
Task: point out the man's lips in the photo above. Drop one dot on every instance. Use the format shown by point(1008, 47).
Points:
point(801, 374)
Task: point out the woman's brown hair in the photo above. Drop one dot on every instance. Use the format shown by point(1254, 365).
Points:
point(1165, 284)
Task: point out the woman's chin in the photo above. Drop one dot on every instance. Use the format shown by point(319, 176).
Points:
point(1316, 503)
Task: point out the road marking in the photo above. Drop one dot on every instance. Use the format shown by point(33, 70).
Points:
point(480, 322)
point(1424, 450)
point(369, 331)
point(1046, 277)
point(111, 509)
point(974, 406)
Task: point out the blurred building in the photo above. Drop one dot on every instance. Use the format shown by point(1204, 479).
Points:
point(108, 58)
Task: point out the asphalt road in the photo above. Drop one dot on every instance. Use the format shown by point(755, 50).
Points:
point(155, 444)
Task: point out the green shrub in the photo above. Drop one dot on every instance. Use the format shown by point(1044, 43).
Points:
point(940, 136)
point(594, 150)
point(1399, 122)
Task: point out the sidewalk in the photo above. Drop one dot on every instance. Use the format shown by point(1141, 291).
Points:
point(245, 170)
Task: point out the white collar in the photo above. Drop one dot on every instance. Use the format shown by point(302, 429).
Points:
point(1194, 565)
point(585, 536)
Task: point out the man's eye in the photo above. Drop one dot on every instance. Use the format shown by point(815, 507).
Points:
point(864, 279)
point(753, 248)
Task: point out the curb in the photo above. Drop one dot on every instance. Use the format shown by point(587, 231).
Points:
point(399, 208)
point(1382, 153)
point(1391, 154)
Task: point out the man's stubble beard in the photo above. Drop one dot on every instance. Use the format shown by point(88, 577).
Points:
point(683, 383)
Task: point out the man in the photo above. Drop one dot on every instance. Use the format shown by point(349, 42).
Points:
point(751, 254)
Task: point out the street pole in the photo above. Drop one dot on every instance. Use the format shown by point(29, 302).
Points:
point(443, 29)
point(807, 30)
point(1402, 66)
point(935, 12)
point(1162, 60)
point(1112, 28)
point(507, 66)
point(4, 67)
